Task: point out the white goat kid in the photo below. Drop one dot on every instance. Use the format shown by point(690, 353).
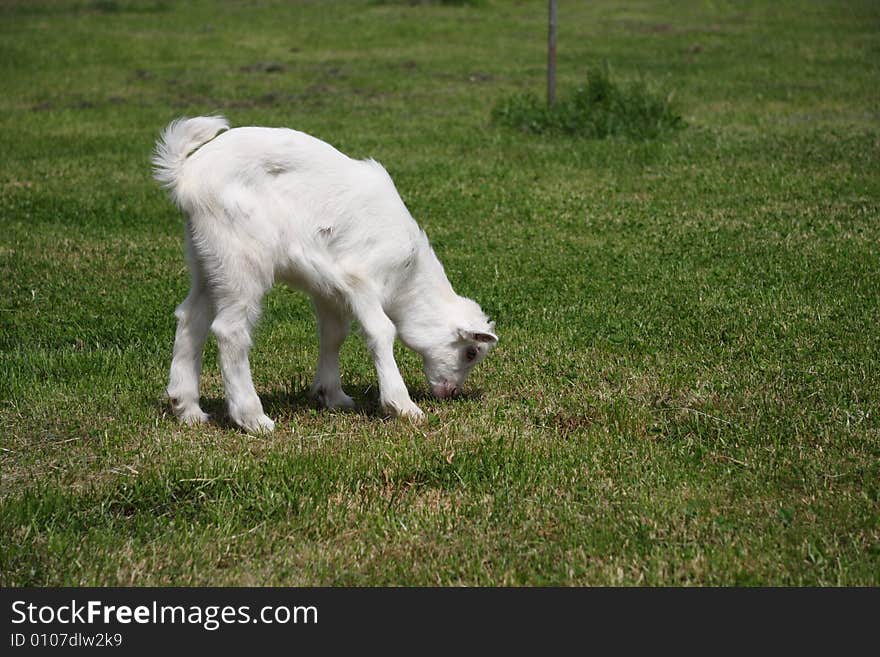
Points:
point(267, 204)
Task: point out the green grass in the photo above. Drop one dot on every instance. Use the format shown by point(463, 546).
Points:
point(686, 390)
point(599, 109)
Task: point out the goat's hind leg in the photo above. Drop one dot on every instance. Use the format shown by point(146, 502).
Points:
point(237, 315)
point(333, 327)
point(194, 317)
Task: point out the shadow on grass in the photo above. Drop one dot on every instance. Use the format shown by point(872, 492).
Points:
point(282, 403)
point(469, 395)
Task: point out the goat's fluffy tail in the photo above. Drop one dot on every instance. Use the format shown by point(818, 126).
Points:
point(178, 141)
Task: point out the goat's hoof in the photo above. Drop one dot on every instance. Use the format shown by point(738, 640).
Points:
point(257, 424)
point(404, 408)
point(331, 400)
point(340, 401)
point(193, 417)
point(413, 413)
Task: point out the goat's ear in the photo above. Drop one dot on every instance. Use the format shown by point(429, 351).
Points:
point(478, 336)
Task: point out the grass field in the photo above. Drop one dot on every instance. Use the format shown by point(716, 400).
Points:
point(686, 390)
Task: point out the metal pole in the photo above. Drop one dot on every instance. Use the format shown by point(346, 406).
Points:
point(551, 55)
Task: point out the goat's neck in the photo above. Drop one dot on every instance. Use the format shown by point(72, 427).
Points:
point(426, 303)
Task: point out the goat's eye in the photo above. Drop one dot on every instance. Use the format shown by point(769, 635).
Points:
point(471, 353)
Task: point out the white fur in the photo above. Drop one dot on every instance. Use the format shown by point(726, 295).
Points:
point(269, 204)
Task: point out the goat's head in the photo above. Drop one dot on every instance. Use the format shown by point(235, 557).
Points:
point(456, 350)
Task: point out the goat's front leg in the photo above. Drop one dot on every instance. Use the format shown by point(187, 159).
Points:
point(380, 332)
